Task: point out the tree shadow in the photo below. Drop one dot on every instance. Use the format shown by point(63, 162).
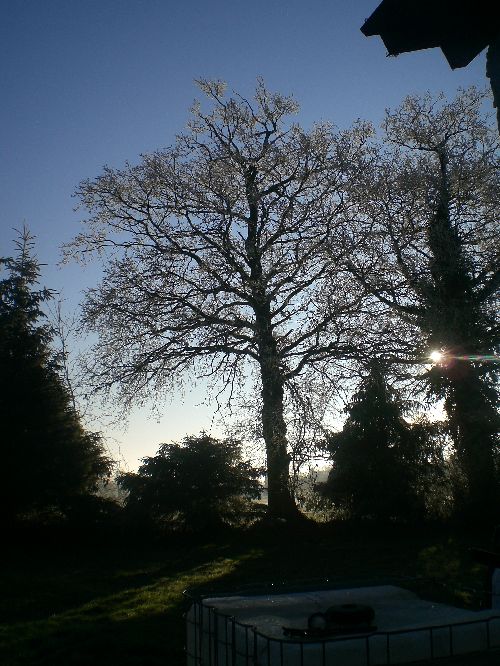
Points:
point(126, 607)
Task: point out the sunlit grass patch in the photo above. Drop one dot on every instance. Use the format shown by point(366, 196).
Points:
point(126, 607)
point(143, 615)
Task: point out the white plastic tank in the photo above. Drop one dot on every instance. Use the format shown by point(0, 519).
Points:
point(495, 589)
point(241, 630)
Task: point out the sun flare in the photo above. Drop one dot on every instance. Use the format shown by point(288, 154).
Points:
point(436, 356)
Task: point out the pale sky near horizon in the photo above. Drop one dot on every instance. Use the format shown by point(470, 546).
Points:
point(92, 82)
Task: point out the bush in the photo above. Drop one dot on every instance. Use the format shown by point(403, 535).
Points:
point(199, 484)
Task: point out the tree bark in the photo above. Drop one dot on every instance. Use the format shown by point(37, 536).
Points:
point(454, 324)
point(280, 500)
point(474, 426)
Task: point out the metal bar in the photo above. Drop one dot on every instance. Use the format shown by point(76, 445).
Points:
point(233, 644)
point(388, 649)
point(367, 648)
point(451, 640)
point(432, 643)
point(216, 639)
point(199, 631)
point(202, 625)
point(210, 636)
point(226, 643)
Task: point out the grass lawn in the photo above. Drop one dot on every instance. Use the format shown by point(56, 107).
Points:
point(96, 604)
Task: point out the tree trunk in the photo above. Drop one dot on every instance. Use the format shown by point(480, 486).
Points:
point(474, 426)
point(280, 500)
point(281, 503)
point(455, 324)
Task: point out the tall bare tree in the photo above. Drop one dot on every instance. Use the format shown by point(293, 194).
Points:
point(212, 258)
point(431, 216)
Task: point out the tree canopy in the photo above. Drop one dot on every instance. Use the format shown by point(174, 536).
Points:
point(232, 253)
point(213, 259)
point(429, 217)
point(198, 484)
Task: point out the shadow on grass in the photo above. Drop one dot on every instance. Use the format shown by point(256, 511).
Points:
point(113, 606)
point(124, 605)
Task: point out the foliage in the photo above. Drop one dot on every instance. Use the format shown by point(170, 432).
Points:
point(48, 457)
point(198, 484)
point(428, 255)
point(229, 255)
point(383, 468)
point(311, 499)
point(213, 260)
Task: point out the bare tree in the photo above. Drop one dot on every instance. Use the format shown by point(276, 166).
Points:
point(213, 259)
point(63, 328)
point(431, 217)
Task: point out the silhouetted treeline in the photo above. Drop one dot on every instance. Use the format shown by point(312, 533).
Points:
point(255, 250)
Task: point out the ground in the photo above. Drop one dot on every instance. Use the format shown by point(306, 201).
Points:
point(93, 600)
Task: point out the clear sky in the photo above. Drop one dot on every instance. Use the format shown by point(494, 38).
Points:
point(92, 82)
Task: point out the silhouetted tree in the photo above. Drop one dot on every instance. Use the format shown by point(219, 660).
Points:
point(213, 260)
point(382, 467)
point(431, 256)
point(198, 484)
point(47, 456)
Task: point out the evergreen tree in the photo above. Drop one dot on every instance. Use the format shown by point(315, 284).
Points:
point(381, 464)
point(198, 484)
point(48, 457)
point(432, 257)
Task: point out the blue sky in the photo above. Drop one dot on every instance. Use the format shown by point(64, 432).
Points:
point(87, 83)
